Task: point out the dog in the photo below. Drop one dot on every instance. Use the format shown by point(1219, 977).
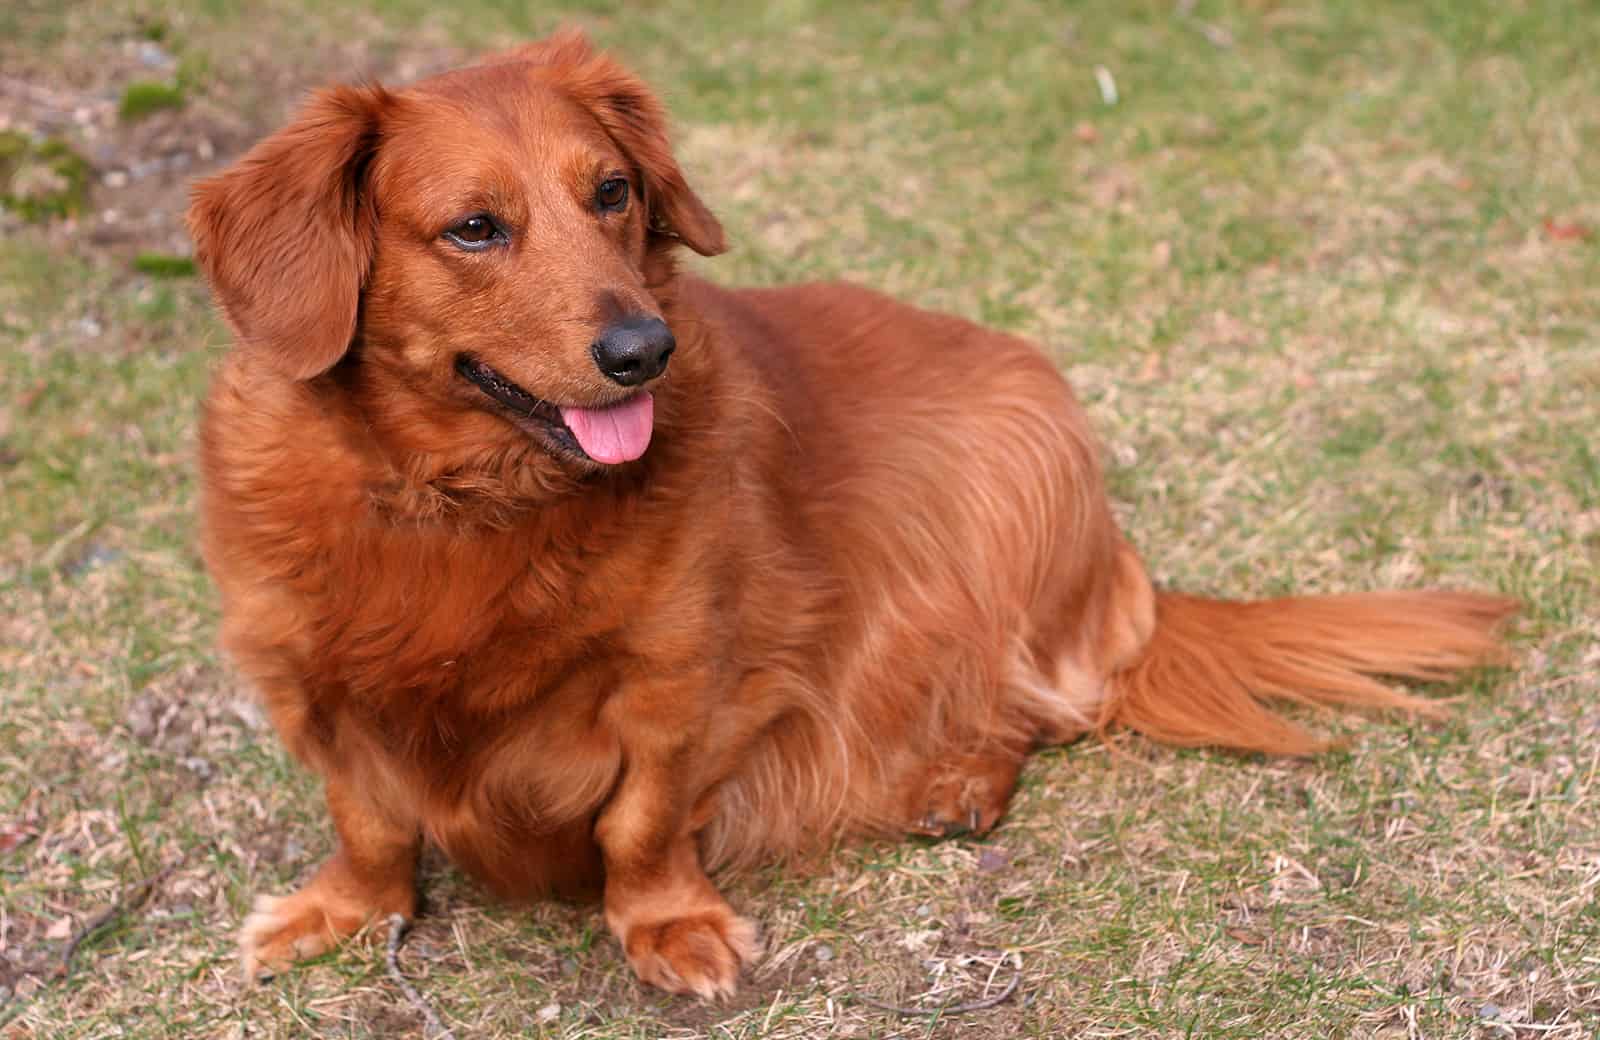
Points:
point(601, 578)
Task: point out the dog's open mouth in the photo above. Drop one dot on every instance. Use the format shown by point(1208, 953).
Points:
point(610, 434)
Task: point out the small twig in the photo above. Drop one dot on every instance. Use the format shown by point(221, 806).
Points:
point(129, 900)
point(1215, 34)
point(1107, 84)
point(11, 85)
point(431, 1024)
point(950, 1009)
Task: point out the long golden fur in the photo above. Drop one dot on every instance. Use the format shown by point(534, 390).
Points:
point(865, 565)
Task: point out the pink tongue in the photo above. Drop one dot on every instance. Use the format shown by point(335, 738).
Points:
point(618, 433)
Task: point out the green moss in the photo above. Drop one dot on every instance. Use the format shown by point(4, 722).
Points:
point(146, 97)
point(14, 148)
point(41, 180)
point(163, 265)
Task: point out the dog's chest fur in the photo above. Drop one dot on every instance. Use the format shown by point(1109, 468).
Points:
point(464, 669)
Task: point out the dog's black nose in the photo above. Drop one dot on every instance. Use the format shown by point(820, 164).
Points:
point(634, 350)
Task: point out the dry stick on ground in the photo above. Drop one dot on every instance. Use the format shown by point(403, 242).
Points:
point(128, 900)
point(951, 1009)
point(131, 899)
point(11, 86)
point(432, 1026)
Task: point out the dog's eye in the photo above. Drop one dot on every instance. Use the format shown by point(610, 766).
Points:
point(612, 194)
point(475, 232)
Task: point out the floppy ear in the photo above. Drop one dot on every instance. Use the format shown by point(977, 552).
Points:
point(286, 235)
point(633, 117)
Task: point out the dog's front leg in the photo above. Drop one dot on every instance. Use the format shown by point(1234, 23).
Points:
point(677, 930)
point(372, 874)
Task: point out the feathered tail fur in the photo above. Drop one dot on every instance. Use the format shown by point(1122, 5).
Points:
point(1212, 667)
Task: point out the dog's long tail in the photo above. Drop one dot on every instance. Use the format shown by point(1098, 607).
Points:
point(1212, 667)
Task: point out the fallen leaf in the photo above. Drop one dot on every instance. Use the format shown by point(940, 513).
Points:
point(29, 397)
point(1565, 231)
point(61, 929)
point(15, 834)
point(1111, 187)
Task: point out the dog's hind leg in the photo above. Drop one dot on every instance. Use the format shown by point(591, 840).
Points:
point(965, 793)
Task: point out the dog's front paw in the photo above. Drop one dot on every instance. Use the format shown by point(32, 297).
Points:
point(284, 929)
point(279, 931)
point(698, 953)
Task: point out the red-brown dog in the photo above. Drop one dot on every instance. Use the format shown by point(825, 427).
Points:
point(600, 577)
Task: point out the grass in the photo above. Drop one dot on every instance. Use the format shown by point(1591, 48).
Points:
point(41, 180)
point(160, 265)
point(148, 97)
point(1304, 277)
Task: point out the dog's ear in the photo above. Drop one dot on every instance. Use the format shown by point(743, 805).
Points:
point(286, 235)
point(636, 120)
point(566, 46)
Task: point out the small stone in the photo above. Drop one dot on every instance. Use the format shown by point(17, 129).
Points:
point(37, 182)
point(116, 179)
point(152, 55)
point(98, 555)
point(1489, 1011)
point(569, 966)
point(144, 718)
point(993, 860)
point(249, 713)
point(549, 1013)
point(925, 910)
point(824, 953)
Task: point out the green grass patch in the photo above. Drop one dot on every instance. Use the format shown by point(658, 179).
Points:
point(148, 97)
point(42, 179)
point(162, 265)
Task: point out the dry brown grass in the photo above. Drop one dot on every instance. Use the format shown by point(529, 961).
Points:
point(1325, 292)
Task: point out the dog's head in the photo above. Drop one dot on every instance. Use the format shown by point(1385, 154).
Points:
point(494, 240)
